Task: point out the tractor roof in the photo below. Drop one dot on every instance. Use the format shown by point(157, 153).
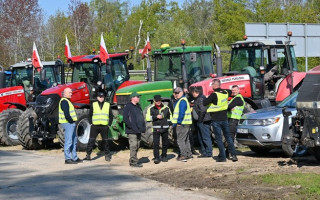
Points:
point(250, 43)
point(26, 63)
point(187, 49)
point(89, 58)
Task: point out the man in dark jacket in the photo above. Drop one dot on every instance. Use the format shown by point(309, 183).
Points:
point(217, 104)
point(135, 125)
point(203, 123)
point(160, 116)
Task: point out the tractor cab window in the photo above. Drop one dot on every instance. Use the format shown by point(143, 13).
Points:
point(22, 76)
point(167, 67)
point(198, 66)
point(246, 60)
point(114, 76)
point(48, 81)
point(85, 72)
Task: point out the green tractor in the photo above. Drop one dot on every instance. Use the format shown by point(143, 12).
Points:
point(173, 67)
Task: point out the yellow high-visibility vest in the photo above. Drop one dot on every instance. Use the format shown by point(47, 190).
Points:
point(237, 111)
point(62, 118)
point(187, 119)
point(222, 103)
point(100, 116)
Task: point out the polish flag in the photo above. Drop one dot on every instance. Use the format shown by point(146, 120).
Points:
point(67, 51)
point(146, 48)
point(103, 51)
point(35, 58)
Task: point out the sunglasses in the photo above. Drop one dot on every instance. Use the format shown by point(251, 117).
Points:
point(176, 92)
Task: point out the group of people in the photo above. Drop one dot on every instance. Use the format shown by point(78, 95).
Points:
point(221, 110)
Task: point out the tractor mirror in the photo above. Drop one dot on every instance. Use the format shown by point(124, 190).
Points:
point(193, 57)
point(130, 67)
point(43, 73)
point(2, 80)
point(274, 55)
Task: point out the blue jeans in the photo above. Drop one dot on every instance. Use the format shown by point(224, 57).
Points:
point(205, 138)
point(70, 141)
point(224, 126)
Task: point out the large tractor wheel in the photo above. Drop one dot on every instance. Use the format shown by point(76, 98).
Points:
point(293, 149)
point(82, 130)
point(25, 138)
point(8, 127)
point(259, 150)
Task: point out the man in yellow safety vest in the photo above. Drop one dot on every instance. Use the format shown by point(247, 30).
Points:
point(100, 117)
point(217, 104)
point(181, 121)
point(67, 119)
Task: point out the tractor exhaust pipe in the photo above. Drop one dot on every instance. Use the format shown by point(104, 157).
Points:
point(218, 61)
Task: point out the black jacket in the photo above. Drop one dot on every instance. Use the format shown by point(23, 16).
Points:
point(220, 115)
point(200, 109)
point(133, 118)
point(165, 121)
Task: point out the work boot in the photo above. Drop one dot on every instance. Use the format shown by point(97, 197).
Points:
point(194, 152)
point(228, 156)
point(87, 157)
point(234, 158)
point(164, 159)
point(108, 158)
point(156, 161)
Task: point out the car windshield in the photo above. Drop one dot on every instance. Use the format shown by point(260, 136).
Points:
point(290, 101)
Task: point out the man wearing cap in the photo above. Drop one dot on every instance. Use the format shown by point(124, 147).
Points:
point(135, 125)
point(67, 119)
point(181, 121)
point(160, 116)
point(100, 117)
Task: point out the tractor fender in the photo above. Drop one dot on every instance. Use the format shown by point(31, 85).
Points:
point(17, 105)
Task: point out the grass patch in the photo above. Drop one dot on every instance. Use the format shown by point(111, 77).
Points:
point(309, 182)
point(240, 170)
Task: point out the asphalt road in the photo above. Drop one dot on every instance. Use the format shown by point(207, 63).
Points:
point(28, 175)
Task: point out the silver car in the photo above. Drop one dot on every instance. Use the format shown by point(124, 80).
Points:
point(261, 130)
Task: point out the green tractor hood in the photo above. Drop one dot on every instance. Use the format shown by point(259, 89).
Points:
point(146, 90)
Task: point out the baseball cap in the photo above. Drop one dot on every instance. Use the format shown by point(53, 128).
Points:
point(100, 94)
point(157, 97)
point(134, 94)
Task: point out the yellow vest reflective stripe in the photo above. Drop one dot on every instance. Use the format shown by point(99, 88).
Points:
point(100, 116)
point(187, 119)
point(73, 114)
point(222, 103)
point(237, 111)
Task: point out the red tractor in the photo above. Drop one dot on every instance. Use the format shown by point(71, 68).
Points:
point(265, 70)
point(23, 83)
point(39, 124)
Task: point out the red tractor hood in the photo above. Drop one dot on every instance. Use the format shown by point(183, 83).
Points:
point(80, 92)
point(242, 80)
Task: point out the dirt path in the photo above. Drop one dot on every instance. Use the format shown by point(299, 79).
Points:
point(230, 180)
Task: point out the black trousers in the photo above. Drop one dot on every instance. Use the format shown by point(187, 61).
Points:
point(233, 128)
point(94, 131)
point(156, 142)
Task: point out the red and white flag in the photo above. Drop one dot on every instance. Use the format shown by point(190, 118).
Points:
point(103, 51)
point(146, 48)
point(35, 58)
point(67, 51)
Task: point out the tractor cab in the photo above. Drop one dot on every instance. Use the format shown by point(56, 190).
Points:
point(98, 75)
point(34, 81)
point(182, 65)
point(267, 62)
